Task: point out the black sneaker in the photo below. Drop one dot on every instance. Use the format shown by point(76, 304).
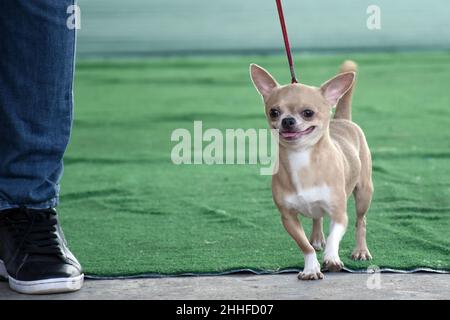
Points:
point(33, 253)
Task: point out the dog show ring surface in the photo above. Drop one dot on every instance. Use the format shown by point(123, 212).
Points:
point(128, 210)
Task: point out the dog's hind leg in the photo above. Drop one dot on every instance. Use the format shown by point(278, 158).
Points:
point(363, 197)
point(317, 238)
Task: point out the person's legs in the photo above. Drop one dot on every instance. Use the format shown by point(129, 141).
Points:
point(36, 74)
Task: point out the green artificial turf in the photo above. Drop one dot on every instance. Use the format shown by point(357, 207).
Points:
point(126, 209)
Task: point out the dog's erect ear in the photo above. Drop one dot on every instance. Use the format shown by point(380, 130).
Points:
point(262, 80)
point(336, 87)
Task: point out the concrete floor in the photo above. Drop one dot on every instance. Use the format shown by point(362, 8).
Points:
point(285, 286)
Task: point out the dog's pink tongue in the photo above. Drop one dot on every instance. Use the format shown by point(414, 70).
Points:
point(289, 134)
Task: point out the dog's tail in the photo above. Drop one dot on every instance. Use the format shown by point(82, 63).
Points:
point(344, 106)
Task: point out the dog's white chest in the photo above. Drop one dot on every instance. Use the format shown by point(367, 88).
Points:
point(311, 202)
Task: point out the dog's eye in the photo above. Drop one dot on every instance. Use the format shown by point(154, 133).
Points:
point(307, 113)
point(274, 113)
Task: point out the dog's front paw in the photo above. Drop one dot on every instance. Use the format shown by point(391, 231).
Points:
point(361, 254)
point(311, 271)
point(333, 264)
point(307, 275)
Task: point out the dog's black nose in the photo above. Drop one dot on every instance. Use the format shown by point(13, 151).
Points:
point(288, 123)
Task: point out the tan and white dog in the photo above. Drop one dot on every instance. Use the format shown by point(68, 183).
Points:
point(322, 161)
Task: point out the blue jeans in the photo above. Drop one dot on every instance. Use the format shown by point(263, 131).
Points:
point(36, 74)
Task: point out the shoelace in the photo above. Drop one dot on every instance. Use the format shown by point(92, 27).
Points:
point(34, 230)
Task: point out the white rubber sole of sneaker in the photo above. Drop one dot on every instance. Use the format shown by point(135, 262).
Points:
point(57, 285)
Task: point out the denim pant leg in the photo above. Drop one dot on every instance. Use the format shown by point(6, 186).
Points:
point(36, 74)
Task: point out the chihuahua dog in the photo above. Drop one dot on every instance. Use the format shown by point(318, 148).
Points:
point(322, 161)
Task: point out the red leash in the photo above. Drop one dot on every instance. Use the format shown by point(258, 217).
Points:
point(286, 41)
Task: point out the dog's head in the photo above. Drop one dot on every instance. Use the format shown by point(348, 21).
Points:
point(300, 113)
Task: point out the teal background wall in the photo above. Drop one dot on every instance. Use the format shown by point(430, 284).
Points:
point(137, 27)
